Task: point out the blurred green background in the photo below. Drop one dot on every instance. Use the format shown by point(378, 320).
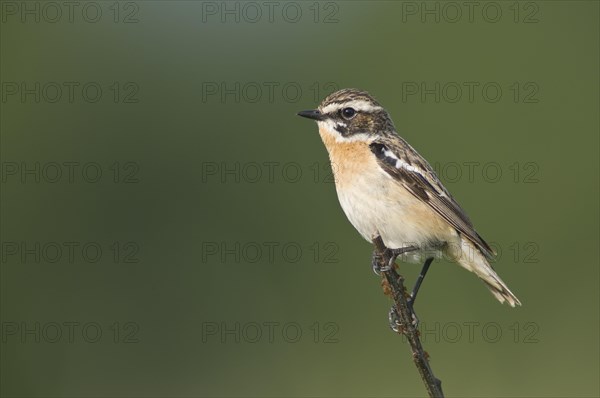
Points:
point(211, 257)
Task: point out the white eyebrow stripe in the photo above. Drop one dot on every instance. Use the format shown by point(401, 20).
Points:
point(359, 105)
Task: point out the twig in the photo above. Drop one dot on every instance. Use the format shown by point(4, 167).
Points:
point(407, 328)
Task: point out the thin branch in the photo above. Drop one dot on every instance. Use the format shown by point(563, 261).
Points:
point(407, 328)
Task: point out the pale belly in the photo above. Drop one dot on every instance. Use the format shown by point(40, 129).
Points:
point(376, 205)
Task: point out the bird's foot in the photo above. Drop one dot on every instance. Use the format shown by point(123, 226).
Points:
point(394, 319)
point(376, 261)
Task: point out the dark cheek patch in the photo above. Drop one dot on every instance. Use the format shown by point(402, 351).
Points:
point(341, 129)
point(358, 124)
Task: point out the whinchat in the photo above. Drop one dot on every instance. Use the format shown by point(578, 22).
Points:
point(387, 189)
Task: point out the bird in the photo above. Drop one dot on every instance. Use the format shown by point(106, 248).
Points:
point(388, 190)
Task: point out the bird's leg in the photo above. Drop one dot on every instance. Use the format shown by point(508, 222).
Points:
point(392, 254)
point(413, 295)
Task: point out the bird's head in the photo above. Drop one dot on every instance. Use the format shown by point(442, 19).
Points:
point(351, 115)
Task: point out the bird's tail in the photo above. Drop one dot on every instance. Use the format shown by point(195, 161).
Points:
point(471, 258)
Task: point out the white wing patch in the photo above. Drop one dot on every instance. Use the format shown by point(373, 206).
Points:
point(401, 164)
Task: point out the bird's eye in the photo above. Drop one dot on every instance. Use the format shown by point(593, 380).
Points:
point(348, 113)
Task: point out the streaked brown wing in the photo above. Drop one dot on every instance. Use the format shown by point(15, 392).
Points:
point(406, 166)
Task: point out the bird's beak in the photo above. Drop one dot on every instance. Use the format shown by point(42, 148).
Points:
point(312, 114)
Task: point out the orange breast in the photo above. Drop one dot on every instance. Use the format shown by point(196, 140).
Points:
point(348, 159)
